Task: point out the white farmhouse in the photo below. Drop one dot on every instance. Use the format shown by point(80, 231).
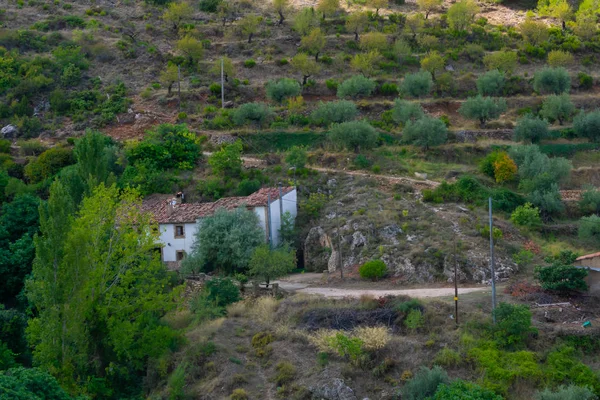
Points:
point(178, 221)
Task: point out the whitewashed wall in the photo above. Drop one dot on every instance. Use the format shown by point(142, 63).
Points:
point(171, 244)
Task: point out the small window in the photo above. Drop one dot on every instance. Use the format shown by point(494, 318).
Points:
point(179, 231)
point(180, 255)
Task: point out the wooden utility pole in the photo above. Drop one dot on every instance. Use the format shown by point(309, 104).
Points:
point(339, 242)
point(492, 262)
point(222, 86)
point(455, 286)
point(179, 86)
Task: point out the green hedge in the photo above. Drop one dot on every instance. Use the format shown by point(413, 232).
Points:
point(280, 141)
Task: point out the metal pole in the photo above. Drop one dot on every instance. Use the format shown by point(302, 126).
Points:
point(455, 287)
point(269, 235)
point(492, 261)
point(222, 87)
point(179, 86)
point(280, 209)
point(339, 242)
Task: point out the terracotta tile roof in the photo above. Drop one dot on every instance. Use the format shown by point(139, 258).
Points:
point(587, 256)
point(167, 211)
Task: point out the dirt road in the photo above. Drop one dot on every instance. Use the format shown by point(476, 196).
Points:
point(416, 293)
point(302, 283)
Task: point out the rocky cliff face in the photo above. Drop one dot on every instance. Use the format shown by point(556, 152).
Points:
point(416, 240)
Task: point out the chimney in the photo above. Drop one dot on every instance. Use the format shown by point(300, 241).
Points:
point(171, 206)
point(179, 197)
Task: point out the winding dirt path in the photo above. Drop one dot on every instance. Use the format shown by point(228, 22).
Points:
point(415, 293)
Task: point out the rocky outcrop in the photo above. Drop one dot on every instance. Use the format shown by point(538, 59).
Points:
point(415, 239)
point(332, 389)
point(9, 132)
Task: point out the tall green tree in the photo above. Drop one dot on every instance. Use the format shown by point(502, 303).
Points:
point(98, 290)
point(96, 159)
point(225, 242)
point(228, 160)
point(268, 264)
point(18, 225)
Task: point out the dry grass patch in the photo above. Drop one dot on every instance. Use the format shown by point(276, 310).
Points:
point(263, 310)
point(373, 338)
point(206, 331)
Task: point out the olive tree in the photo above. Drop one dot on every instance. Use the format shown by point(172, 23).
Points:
point(531, 129)
point(334, 112)
point(353, 135)
point(417, 84)
point(491, 83)
point(356, 23)
point(405, 111)
point(281, 89)
point(425, 132)
point(552, 80)
point(557, 108)
point(305, 66)
point(433, 63)
point(257, 113)
point(314, 42)
point(482, 108)
point(588, 125)
point(356, 86)
point(461, 14)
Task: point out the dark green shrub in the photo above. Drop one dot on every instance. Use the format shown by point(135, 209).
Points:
point(362, 162)
point(552, 80)
point(356, 86)
point(249, 63)
point(332, 84)
point(215, 88)
point(247, 186)
point(30, 383)
point(461, 390)
point(586, 82)
point(425, 383)
point(562, 366)
point(590, 201)
point(5, 146)
point(334, 112)
point(389, 89)
point(209, 5)
point(222, 291)
point(562, 278)
point(350, 348)
point(526, 215)
point(373, 270)
point(513, 324)
point(48, 164)
point(281, 89)
point(589, 228)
